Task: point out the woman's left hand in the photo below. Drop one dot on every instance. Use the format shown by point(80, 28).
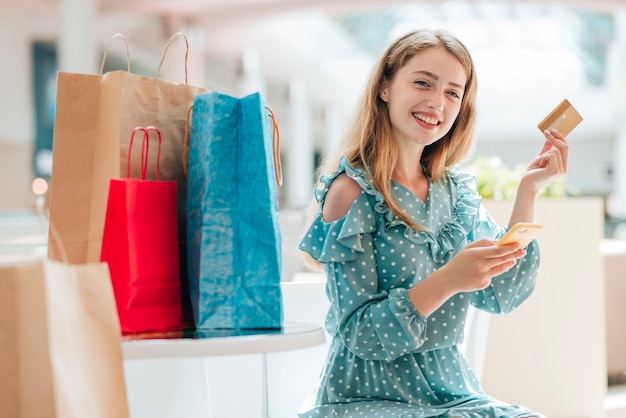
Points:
point(550, 163)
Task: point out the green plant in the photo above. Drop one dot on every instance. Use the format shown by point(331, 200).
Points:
point(499, 182)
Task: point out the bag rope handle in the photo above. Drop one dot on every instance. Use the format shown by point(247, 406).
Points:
point(167, 47)
point(106, 51)
point(278, 167)
point(145, 146)
point(47, 226)
point(186, 141)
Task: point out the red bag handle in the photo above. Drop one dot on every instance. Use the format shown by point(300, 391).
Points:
point(186, 140)
point(145, 145)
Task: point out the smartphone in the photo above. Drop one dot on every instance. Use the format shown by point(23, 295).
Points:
point(521, 233)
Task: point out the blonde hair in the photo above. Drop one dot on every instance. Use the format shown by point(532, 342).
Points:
point(369, 143)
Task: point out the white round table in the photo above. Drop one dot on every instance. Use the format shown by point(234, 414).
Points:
point(210, 343)
point(205, 343)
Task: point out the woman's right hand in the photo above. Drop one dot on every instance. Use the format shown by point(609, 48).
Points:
point(470, 270)
point(473, 267)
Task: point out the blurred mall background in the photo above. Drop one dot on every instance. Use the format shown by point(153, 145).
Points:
point(310, 58)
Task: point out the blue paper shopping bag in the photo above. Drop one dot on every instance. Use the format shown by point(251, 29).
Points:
point(233, 234)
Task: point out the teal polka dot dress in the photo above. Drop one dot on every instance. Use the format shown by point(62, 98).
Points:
point(385, 359)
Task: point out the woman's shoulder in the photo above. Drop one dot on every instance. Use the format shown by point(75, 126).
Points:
point(341, 193)
point(345, 179)
point(346, 214)
point(460, 178)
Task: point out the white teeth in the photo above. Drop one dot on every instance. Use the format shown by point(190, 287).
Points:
point(430, 121)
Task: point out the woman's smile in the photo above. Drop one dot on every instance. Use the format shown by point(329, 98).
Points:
point(426, 121)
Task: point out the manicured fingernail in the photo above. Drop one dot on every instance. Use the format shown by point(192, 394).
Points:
point(547, 132)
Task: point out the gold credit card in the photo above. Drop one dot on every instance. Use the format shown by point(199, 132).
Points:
point(564, 118)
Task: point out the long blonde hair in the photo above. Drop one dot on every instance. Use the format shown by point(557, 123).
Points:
point(369, 143)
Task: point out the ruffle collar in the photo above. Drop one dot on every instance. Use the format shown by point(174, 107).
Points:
point(450, 236)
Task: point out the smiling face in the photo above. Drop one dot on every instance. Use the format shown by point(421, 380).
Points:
point(424, 97)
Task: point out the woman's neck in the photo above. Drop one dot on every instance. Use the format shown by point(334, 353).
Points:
point(409, 172)
point(408, 165)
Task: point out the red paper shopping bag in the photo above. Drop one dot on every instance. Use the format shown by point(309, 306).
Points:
point(140, 244)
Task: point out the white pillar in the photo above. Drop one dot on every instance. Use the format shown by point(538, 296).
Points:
point(76, 47)
point(300, 150)
point(616, 68)
point(335, 127)
point(253, 79)
point(196, 61)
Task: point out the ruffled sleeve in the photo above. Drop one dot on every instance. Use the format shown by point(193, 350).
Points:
point(359, 306)
point(510, 289)
point(340, 240)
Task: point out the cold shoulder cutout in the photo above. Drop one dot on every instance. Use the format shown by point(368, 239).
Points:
point(341, 194)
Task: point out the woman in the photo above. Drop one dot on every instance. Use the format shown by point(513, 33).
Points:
point(407, 246)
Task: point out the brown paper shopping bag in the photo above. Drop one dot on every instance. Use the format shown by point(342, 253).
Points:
point(60, 351)
point(94, 115)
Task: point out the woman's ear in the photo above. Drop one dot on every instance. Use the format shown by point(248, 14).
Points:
point(383, 91)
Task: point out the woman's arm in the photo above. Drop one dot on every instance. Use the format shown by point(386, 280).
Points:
point(550, 163)
point(472, 269)
point(362, 314)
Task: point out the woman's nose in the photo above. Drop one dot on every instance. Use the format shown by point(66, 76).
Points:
point(435, 102)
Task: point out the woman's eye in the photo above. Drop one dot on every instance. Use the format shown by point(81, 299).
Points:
point(454, 94)
point(422, 83)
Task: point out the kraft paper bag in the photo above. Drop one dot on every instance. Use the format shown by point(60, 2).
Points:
point(140, 244)
point(60, 342)
point(94, 114)
point(234, 241)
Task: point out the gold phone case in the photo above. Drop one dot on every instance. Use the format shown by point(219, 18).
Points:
point(564, 118)
point(522, 233)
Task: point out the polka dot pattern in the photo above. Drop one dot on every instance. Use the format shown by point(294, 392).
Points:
point(386, 359)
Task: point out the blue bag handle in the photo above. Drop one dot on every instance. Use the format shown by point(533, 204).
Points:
point(278, 167)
